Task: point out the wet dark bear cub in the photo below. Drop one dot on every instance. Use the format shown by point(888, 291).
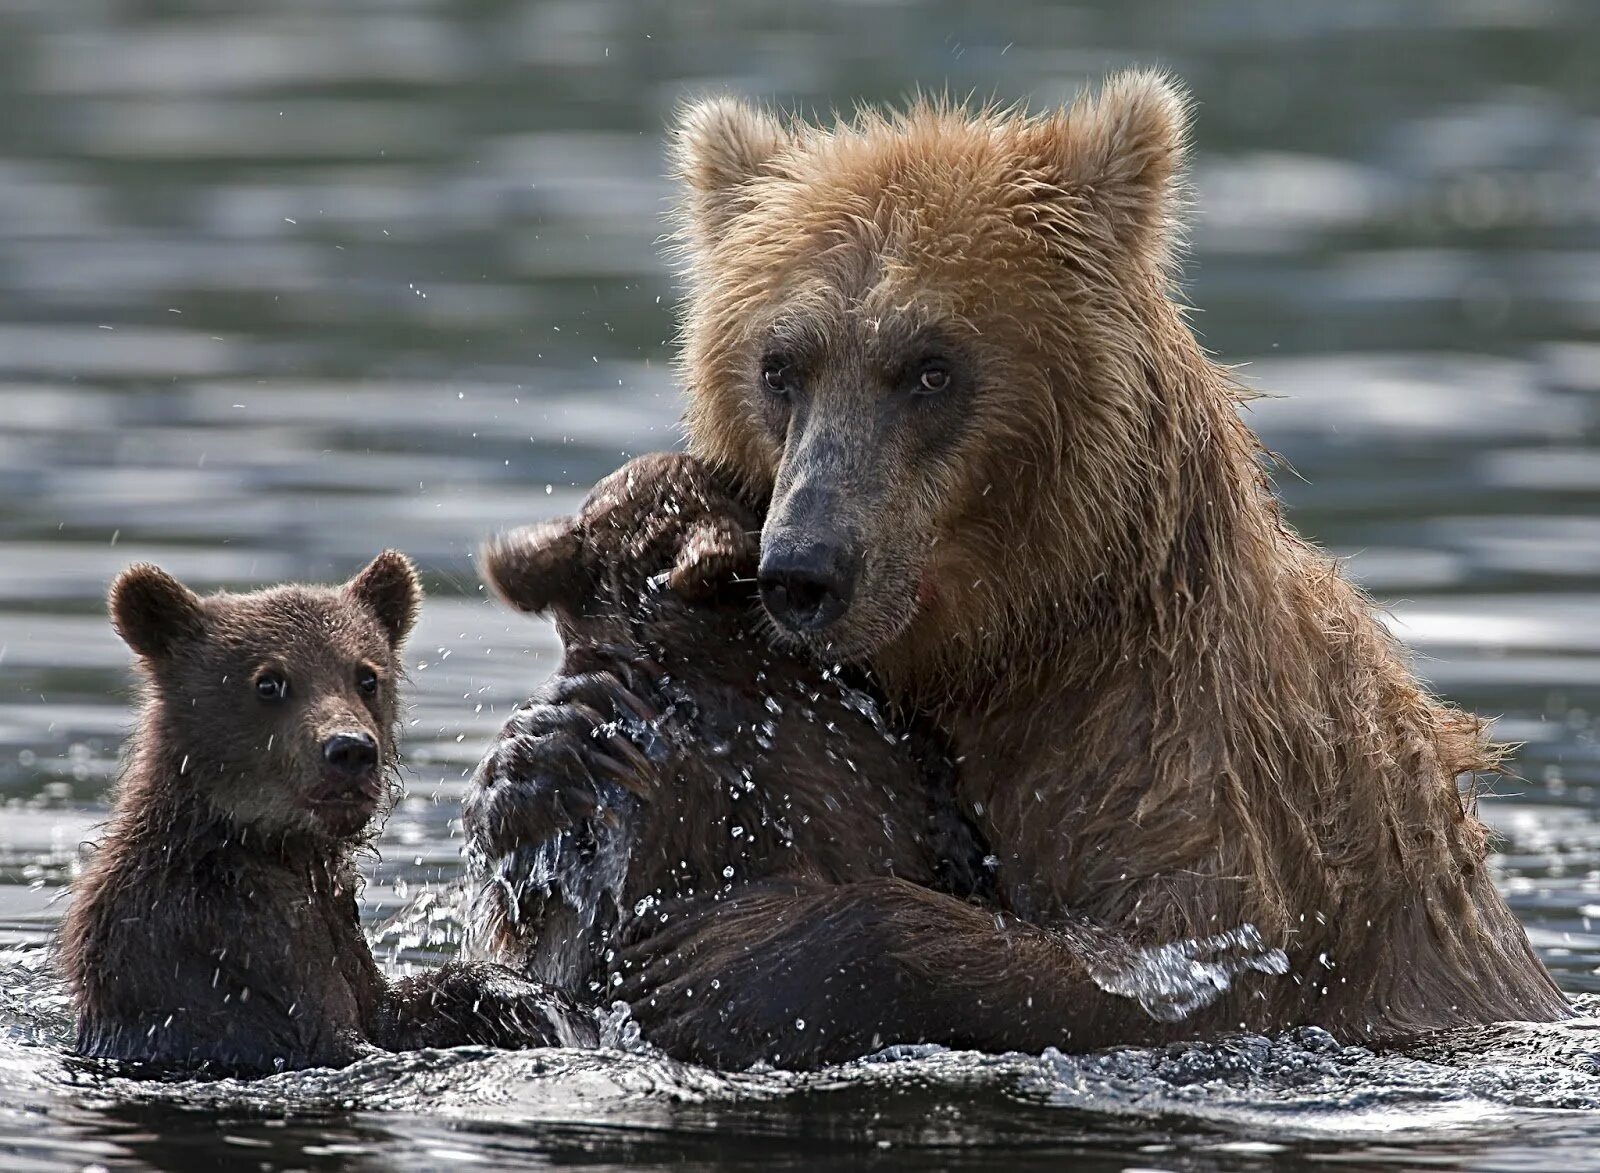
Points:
point(216, 924)
point(680, 763)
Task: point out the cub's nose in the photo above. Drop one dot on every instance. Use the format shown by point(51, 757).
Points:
point(350, 753)
point(807, 586)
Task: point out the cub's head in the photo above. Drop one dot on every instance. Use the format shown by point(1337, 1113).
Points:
point(928, 335)
point(657, 530)
point(279, 706)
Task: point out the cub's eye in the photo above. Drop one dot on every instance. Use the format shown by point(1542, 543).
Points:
point(777, 374)
point(934, 379)
point(271, 686)
point(367, 682)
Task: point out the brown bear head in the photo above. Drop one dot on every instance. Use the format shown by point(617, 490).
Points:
point(941, 341)
point(278, 707)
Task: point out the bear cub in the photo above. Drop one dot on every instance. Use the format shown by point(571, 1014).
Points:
point(216, 925)
point(679, 759)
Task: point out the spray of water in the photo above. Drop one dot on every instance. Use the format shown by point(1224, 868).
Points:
point(1174, 980)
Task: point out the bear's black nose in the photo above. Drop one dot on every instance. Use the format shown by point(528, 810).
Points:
point(350, 753)
point(807, 586)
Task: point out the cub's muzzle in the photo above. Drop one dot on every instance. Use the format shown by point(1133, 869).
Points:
point(351, 787)
point(350, 754)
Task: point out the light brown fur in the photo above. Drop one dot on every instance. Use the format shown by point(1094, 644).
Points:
point(1174, 715)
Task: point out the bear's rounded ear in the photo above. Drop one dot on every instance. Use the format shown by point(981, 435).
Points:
point(712, 552)
point(388, 587)
point(152, 611)
point(537, 568)
point(1122, 149)
point(718, 146)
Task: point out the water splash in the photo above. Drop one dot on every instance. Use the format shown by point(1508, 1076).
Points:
point(1173, 980)
point(432, 920)
point(565, 893)
point(866, 705)
point(619, 1031)
point(35, 1009)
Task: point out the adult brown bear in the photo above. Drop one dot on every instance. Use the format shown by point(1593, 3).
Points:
point(940, 349)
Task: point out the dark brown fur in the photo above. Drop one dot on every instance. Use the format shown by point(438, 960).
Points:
point(678, 764)
point(216, 923)
point(1173, 715)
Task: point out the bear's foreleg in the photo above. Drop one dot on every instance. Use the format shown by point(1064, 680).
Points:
point(802, 974)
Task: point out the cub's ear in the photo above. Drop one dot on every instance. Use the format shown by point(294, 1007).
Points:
point(537, 568)
point(719, 145)
point(712, 553)
point(152, 611)
point(388, 587)
point(1123, 150)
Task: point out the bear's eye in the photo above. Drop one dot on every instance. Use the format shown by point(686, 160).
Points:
point(935, 377)
point(777, 374)
point(367, 682)
point(271, 686)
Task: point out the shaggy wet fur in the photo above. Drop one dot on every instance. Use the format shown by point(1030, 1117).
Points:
point(680, 768)
point(1173, 715)
point(216, 923)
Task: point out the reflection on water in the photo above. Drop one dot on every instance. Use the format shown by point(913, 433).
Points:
point(282, 283)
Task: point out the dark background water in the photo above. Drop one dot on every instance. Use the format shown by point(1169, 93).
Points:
point(284, 282)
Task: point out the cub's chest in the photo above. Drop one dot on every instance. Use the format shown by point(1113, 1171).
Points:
point(304, 937)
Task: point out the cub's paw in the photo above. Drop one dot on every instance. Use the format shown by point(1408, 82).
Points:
point(550, 817)
point(483, 1005)
point(558, 759)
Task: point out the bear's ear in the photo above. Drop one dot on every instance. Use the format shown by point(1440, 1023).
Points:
point(1123, 150)
point(538, 567)
point(388, 587)
point(719, 145)
point(712, 552)
point(152, 611)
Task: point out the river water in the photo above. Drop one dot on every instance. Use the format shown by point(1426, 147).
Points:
point(284, 282)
